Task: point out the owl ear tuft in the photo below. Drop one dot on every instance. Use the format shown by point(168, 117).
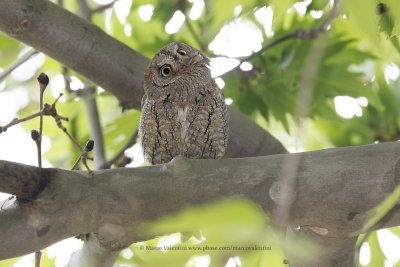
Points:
point(200, 58)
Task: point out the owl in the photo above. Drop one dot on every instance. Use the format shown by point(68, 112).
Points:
point(183, 110)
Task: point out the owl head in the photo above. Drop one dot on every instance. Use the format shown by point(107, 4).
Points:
point(174, 62)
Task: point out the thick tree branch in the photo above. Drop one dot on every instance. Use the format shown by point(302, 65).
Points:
point(78, 44)
point(248, 139)
point(341, 185)
point(107, 62)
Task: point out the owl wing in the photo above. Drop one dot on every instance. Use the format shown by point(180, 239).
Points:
point(207, 135)
point(157, 133)
point(147, 128)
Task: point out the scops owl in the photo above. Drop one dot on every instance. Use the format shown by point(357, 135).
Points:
point(183, 110)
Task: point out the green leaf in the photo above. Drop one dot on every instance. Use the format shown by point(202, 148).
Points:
point(377, 256)
point(386, 24)
point(395, 230)
point(45, 261)
point(280, 8)
point(389, 17)
point(9, 262)
point(119, 130)
point(219, 13)
point(221, 217)
point(363, 14)
point(317, 5)
point(233, 227)
point(10, 49)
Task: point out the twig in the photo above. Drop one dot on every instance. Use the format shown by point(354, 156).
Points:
point(38, 256)
point(16, 121)
point(123, 162)
point(96, 132)
point(67, 79)
point(50, 110)
point(17, 63)
point(76, 162)
point(93, 118)
point(298, 34)
point(331, 16)
point(88, 93)
point(5, 201)
point(84, 156)
point(43, 81)
point(128, 144)
point(83, 151)
point(195, 35)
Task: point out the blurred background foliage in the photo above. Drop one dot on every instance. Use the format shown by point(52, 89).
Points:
point(354, 99)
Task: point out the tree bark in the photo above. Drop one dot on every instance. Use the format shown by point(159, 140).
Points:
point(334, 191)
point(340, 185)
point(85, 48)
point(78, 44)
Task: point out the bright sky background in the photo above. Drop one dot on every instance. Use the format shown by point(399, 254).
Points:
point(236, 39)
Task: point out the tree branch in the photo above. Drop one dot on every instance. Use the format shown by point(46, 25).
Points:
point(84, 9)
point(297, 34)
point(195, 35)
point(96, 132)
point(77, 44)
point(341, 185)
point(43, 80)
point(103, 7)
point(17, 63)
point(131, 142)
point(112, 65)
point(48, 110)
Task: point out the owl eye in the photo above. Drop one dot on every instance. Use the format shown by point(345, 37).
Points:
point(181, 52)
point(165, 70)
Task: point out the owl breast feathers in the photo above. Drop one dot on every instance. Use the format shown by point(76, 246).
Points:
point(183, 110)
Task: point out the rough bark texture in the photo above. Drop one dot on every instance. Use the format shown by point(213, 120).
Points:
point(78, 44)
point(85, 48)
point(335, 189)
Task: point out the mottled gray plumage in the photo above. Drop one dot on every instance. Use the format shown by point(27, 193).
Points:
point(183, 110)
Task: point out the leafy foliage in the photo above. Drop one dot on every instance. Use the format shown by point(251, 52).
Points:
point(221, 231)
